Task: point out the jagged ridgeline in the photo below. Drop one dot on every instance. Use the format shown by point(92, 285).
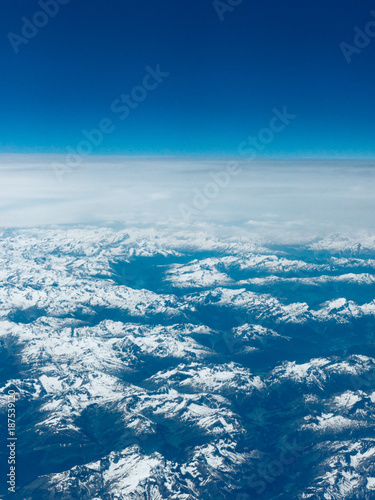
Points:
point(188, 367)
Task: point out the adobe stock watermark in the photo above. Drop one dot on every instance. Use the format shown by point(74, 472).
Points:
point(202, 197)
point(11, 441)
point(30, 27)
point(122, 107)
point(255, 144)
point(227, 6)
point(267, 473)
point(362, 39)
point(250, 150)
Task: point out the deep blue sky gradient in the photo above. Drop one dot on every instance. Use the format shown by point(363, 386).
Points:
point(225, 77)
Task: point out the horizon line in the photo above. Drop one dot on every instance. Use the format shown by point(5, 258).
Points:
point(192, 156)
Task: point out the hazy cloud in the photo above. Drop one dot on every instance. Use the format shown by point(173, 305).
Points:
point(285, 199)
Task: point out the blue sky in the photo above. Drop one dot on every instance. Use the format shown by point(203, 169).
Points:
point(226, 76)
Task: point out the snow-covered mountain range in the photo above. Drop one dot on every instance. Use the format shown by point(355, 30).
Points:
point(166, 365)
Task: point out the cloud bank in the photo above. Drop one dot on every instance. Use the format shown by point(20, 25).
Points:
point(273, 199)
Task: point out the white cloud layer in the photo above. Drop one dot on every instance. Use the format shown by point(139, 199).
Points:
point(274, 199)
